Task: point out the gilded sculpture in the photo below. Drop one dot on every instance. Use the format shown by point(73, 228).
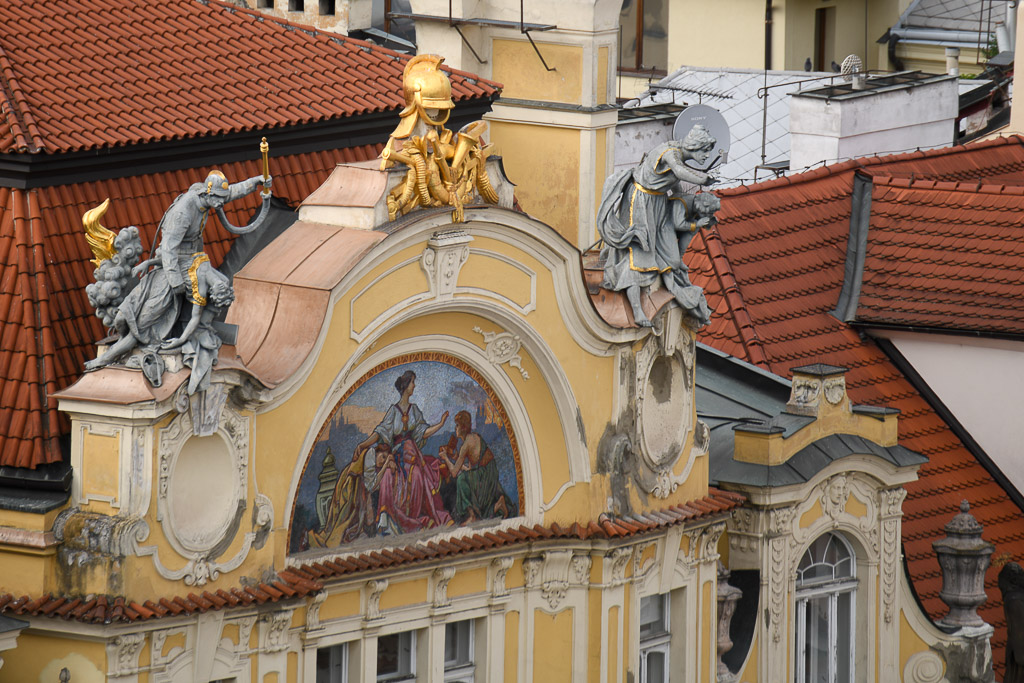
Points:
point(445, 168)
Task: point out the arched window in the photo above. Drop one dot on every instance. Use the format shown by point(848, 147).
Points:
point(826, 585)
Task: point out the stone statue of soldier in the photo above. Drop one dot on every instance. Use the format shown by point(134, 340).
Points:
point(150, 310)
point(646, 223)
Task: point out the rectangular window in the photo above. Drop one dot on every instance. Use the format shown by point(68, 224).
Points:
point(296, 6)
point(265, 4)
point(458, 652)
point(643, 31)
point(654, 638)
point(396, 657)
point(332, 664)
point(327, 8)
point(824, 635)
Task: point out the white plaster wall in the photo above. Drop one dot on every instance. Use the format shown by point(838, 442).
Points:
point(876, 123)
point(634, 139)
point(982, 382)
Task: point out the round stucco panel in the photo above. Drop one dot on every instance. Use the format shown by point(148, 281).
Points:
point(665, 413)
point(202, 492)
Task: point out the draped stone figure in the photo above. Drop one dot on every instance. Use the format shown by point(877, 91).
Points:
point(646, 223)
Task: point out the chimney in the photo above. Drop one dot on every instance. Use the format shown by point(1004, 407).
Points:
point(953, 61)
point(892, 113)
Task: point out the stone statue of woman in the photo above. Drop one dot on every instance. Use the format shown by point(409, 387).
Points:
point(645, 229)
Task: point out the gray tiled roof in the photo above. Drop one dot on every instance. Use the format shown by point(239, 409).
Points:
point(743, 112)
point(732, 394)
point(954, 15)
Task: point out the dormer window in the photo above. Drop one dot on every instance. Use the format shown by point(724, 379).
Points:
point(826, 588)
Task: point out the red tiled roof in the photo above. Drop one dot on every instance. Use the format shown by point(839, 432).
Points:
point(606, 527)
point(944, 255)
point(773, 270)
point(87, 75)
point(299, 582)
point(101, 609)
point(49, 329)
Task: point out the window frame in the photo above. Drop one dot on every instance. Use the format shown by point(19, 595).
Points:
point(462, 670)
point(637, 34)
point(658, 642)
point(408, 674)
point(341, 666)
point(832, 589)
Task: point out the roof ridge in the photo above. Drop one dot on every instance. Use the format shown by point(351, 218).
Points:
point(868, 163)
point(27, 133)
point(909, 181)
point(715, 246)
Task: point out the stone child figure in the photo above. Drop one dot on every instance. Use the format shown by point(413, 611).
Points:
point(645, 230)
point(210, 293)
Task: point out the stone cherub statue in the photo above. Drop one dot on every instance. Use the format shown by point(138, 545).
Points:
point(445, 169)
point(146, 305)
point(645, 229)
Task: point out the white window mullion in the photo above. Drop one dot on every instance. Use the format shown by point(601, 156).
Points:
point(833, 617)
point(801, 638)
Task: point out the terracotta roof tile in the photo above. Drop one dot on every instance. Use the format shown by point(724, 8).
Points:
point(715, 503)
point(950, 257)
point(781, 247)
point(80, 76)
point(102, 609)
point(49, 329)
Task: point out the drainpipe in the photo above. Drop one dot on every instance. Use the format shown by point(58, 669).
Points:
point(768, 35)
point(1011, 23)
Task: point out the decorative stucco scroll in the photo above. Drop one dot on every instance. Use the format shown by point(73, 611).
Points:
point(503, 347)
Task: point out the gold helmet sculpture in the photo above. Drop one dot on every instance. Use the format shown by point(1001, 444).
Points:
point(426, 87)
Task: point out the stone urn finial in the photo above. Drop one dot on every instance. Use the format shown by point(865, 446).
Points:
point(728, 595)
point(963, 556)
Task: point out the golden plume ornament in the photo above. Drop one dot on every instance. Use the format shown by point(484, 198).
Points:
point(100, 240)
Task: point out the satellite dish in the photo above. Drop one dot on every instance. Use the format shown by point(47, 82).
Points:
point(711, 119)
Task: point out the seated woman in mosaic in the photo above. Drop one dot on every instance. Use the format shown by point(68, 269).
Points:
point(408, 498)
point(645, 229)
point(209, 292)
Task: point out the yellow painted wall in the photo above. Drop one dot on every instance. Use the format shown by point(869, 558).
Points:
point(601, 84)
point(101, 471)
point(40, 658)
point(404, 593)
point(726, 33)
point(547, 179)
point(613, 644)
point(512, 646)
point(468, 582)
point(552, 646)
point(516, 66)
